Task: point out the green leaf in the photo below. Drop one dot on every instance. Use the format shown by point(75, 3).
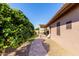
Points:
point(16, 27)
point(5, 47)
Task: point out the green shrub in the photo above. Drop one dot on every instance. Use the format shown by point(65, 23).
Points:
point(15, 27)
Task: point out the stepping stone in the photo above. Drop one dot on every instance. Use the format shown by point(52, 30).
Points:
point(37, 48)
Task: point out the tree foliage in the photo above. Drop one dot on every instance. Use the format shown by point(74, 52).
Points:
point(37, 29)
point(15, 27)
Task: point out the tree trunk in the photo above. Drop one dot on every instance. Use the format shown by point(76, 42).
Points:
point(3, 52)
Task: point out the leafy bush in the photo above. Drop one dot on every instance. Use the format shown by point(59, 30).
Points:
point(15, 27)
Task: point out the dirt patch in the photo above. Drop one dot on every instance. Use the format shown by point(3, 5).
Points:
point(55, 49)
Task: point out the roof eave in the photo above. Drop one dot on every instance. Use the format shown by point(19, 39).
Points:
point(63, 9)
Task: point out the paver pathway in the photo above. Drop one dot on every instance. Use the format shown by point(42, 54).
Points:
point(37, 48)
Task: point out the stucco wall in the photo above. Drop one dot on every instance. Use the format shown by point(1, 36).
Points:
point(68, 38)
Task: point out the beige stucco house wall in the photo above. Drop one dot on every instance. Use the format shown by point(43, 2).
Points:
point(68, 38)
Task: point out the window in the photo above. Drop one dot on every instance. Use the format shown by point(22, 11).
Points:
point(58, 24)
point(58, 28)
point(69, 25)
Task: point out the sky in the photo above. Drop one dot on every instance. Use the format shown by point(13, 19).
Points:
point(38, 13)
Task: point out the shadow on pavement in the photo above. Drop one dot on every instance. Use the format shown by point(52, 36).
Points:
point(37, 44)
point(25, 50)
